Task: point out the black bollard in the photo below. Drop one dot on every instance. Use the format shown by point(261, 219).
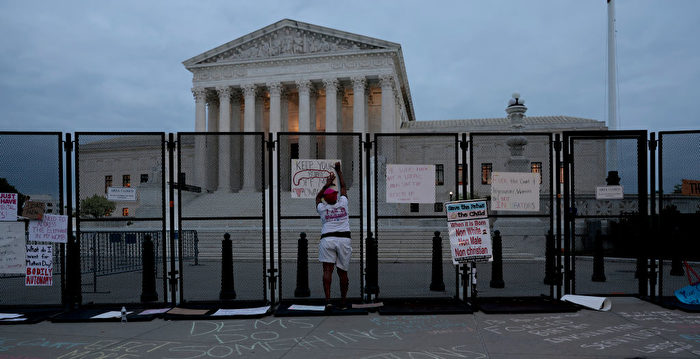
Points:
point(549, 254)
point(302, 289)
point(372, 270)
point(148, 274)
point(497, 264)
point(437, 284)
point(227, 291)
point(598, 259)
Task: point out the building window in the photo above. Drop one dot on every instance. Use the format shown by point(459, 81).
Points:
point(536, 167)
point(486, 169)
point(144, 177)
point(125, 212)
point(438, 207)
point(415, 207)
point(561, 173)
point(459, 174)
point(126, 181)
point(108, 182)
point(439, 175)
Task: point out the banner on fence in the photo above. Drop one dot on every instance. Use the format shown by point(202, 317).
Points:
point(39, 265)
point(52, 228)
point(609, 192)
point(470, 234)
point(8, 206)
point(690, 187)
point(121, 194)
point(309, 176)
point(12, 247)
point(515, 191)
point(410, 183)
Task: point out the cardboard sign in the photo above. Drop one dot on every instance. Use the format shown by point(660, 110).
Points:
point(53, 228)
point(121, 194)
point(39, 265)
point(609, 192)
point(515, 191)
point(410, 183)
point(690, 187)
point(12, 247)
point(33, 210)
point(309, 176)
point(8, 206)
point(469, 230)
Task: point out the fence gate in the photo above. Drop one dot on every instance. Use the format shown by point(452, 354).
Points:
point(299, 157)
point(221, 215)
point(606, 212)
point(404, 229)
point(527, 268)
point(126, 170)
point(678, 209)
point(32, 166)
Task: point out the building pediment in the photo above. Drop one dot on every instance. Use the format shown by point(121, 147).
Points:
point(288, 38)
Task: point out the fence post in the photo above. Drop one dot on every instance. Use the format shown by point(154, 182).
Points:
point(302, 289)
point(598, 259)
point(372, 265)
point(549, 253)
point(227, 290)
point(437, 283)
point(148, 274)
point(497, 264)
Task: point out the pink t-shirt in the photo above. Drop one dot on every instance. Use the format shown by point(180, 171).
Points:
point(335, 217)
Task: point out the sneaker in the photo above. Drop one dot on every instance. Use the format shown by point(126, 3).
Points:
point(329, 307)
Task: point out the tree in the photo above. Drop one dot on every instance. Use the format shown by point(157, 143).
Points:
point(96, 206)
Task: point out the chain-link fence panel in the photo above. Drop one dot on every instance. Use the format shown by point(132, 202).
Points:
point(522, 271)
point(221, 199)
point(31, 167)
point(406, 220)
point(304, 161)
point(120, 203)
point(678, 208)
point(608, 219)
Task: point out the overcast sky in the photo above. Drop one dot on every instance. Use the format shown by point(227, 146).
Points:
point(117, 65)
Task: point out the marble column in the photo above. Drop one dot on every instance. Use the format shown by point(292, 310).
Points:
point(332, 117)
point(236, 141)
point(359, 118)
point(211, 142)
point(200, 98)
point(224, 184)
point(249, 150)
point(275, 90)
point(305, 113)
point(388, 122)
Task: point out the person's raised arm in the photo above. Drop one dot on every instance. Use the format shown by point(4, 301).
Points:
point(343, 189)
point(329, 182)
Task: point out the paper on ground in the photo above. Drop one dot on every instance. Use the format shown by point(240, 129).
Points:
point(13, 319)
point(368, 305)
point(242, 311)
point(154, 311)
point(109, 315)
point(317, 308)
point(10, 315)
point(595, 303)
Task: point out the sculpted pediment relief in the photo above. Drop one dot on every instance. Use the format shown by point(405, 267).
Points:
point(288, 41)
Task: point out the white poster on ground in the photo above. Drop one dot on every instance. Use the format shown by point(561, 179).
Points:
point(410, 183)
point(470, 234)
point(309, 176)
point(52, 228)
point(515, 191)
point(12, 247)
point(8, 206)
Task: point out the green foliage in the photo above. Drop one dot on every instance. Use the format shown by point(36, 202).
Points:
point(96, 206)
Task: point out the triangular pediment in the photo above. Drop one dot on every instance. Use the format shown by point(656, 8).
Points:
point(289, 38)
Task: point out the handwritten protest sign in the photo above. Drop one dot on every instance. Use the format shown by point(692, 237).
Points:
point(8, 206)
point(12, 250)
point(33, 210)
point(309, 176)
point(410, 183)
point(121, 194)
point(470, 234)
point(52, 228)
point(39, 265)
point(515, 191)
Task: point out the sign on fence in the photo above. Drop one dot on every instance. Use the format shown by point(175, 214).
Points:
point(12, 250)
point(52, 228)
point(121, 194)
point(470, 235)
point(39, 265)
point(515, 191)
point(609, 192)
point(690, 187)
point(309, 176)
point(410, 183)
point(8, 206)
point(33, 209)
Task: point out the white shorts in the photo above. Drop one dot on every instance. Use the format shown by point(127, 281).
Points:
point(335, 250)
